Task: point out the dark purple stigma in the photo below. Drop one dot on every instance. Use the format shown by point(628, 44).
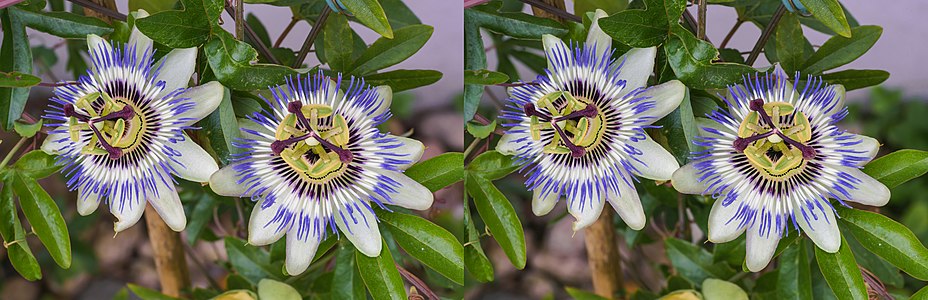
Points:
point(807, 151)
point(589, 111)
point(530, 111)
point(69, 112)
point(575, 151)
point(742, 143)
point(125, 113)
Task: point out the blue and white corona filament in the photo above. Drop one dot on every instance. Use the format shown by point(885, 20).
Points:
point(579, 129)
point(774, 159)
point(316, 161)
point(119, 130)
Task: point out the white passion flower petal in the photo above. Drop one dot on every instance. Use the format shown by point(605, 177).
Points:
point(542, 202)
point(628, 205)
point(596, 37)
point(760, 249)
point(652, 161)
point(266, 224)
point(636, 67)
point(409, 151)
point(819, 223)
point(181, 62)
point(408, 193)
point(88, 200)
point(359, 224)
point(301, 248)
point(207, 98)
point(167, 203)
point(193, 163)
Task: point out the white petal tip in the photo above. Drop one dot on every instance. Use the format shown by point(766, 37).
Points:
point(370, 248)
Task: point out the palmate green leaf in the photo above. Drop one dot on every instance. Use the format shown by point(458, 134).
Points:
point(898, 167)
point(516, 25)
point(856, 79)
point(219, 129)
point(185, 28)
point(338, 41)
point(429, 243)
point(830, 13)
point(18, 80)
point(841, 272)
point(253, 263)
point(231, 62)
point(790, 44)
point(438, 172)
point(371, 14)
point(62, 24)
point(349, 285)
point(680, 129)
point(492, 165)
point(273, 289)
point(839, 50)
point(475, 261)
point(647, 27)
point(401, 80)
point(579, 294)
point(15, 56)
point(484, 77)
point(694, 263)
point(497, 213)
point(37, 164)
point(380, 276)
point(794, 279)
point(691, 60)
point(44, 216)
point(385, 52)
point(480, 131)
point(14, 237)
point(716, 289)
point(888, 239)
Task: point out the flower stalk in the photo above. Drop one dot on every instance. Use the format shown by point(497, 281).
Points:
point(168, 250)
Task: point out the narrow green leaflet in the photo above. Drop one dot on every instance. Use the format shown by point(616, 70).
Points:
point(691, 59)
point(273, 289)
point(201, 214)
point(680, 129)
point(830, 13)
point(790, 44)
point(37, 164)
point(693, 262)
point(498, 214)
point(647, 27)
point(429, 243)
point(856, 79)
point(148, 294)
point(579, 294)
point(62, 24)
point(385, 52)
point(252, 263)
point(794, 279)
point(841, 272)
point(189, 27)
point(17, 80)
point(439, 171)
point(380, 276)
point(840, 50)
point(45, 218)
point(401, 80)
point(492, 165)
point(888, 239)
point(484, 77)
point(349, 285)
point(516, 25)
point(475, 261)
point(15, 56)
point(338, 41)
point(371, 14)
point(232, 62)
point(220, 128)
point(898, 167)
point(14, 237)
point(475, 58)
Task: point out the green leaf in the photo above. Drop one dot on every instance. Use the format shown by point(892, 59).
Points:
point(581, 7)
point(715, 289)
point(37, 164)
point(921, 294)
point(148, 294)
point(472, 95)
point(45, 218)
point(27, 130)
point(794, 279)
point(385, 52)
point(493, 165)
point(371, 14)
point(475, 261)
point(680, 129)
point(338, 41)
point(401, 80)
point(484, 77)
point(790, 43)
point(480, 131)
point(14, 237)
point(830, 13)
point(439, 171)
point(856, 79)
point(62, 24)
point(475, 58)
point(201, 215)
point(273, 289)
point(694, 263)
point(841, 272)
point(898, 167)
point(152, 6)
point(579, 294)
point(498, 214)
point(251, 262)
point(232, 62)
point(349, 284)
point(888, 239)
point(429, 243)
point(15, 56)
point(220, 129)
point(691, 60)
point(644, 28)
point(399, 14)
point(380, 275)
point(18, 80)
point(516, 25)
point(186, 28)
point(839, 50)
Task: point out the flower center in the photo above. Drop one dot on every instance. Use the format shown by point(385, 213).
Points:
point(578, 123)
point(773, 137)
point(312, 140)
point(116, 126)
